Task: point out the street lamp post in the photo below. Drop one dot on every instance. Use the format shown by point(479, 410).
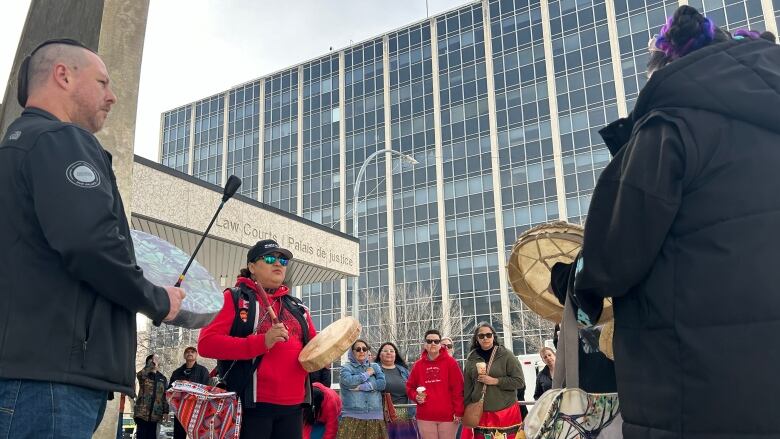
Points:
point(355, 227)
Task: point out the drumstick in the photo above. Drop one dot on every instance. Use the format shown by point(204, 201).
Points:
point(267, 304)
point(231, 186)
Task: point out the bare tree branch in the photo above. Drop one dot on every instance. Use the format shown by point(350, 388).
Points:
point(168, 342)
point(418, 308)
point(528, 327)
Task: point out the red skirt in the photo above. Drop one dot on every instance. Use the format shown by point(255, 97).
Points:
point(506, 422)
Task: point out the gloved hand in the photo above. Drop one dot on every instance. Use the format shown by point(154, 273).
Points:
point(587, 306)
point(559, 280)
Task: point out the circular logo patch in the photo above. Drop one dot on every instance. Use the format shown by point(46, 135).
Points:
point(82, 174)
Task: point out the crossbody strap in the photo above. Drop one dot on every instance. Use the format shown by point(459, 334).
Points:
point(487, 371)
point(567, 365)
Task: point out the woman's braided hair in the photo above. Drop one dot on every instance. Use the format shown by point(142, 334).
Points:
point(687, 31)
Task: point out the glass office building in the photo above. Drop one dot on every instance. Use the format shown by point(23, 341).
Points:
point(500, 103)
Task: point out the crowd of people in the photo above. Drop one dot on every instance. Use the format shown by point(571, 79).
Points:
point(680, 233)
point(384, 399)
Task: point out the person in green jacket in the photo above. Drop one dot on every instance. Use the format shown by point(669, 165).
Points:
point(501, 413)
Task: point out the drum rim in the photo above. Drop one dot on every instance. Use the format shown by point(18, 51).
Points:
point(518, 282)
point(353, 332)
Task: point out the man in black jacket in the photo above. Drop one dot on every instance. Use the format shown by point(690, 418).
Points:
point(682, 233)
point(69, 284)
point(189, 371)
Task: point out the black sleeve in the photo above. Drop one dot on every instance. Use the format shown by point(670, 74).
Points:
point(633, 207)
point(204, 375)
point(173, 378)
point(539, 390)
point(325, 377)
point(80, 222)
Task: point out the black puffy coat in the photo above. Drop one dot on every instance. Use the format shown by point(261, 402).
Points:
point(683, 233)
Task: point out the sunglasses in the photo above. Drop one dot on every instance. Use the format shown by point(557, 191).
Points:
point(432, 341)
point(361, 349)
point(484, 336)
point(448, 346)
point(271, 259)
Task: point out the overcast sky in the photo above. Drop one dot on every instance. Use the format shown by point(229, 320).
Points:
point(196, 48)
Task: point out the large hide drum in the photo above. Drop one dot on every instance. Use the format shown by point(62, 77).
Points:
point(329, 344)
point(532, 259)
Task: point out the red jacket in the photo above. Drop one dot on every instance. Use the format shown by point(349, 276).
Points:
point(280, 378)
point(443, 382)
point(329, 413)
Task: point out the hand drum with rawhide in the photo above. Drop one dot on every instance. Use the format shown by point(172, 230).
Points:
point(329, 344)
point(533, 256)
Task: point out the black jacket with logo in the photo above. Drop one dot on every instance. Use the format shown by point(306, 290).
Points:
point(197, 374)
point(682, 232)
point(69, 282)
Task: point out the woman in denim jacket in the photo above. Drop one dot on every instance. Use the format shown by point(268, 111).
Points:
point(362, 383)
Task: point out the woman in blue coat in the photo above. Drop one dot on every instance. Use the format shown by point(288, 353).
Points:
point(362, 383)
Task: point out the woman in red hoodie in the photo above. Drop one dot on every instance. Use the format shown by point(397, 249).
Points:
point(325, 410)
point(436, 383)
point(259, 358)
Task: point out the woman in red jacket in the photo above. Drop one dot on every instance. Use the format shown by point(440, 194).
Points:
point(436, 383)
point(325, 409)
point(244, 337)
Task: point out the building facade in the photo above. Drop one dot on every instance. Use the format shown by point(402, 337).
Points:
point(500, 103)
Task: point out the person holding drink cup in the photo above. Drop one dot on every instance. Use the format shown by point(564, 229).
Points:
point(492, 365)
point(436, 384)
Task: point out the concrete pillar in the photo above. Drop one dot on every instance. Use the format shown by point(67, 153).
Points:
point(444, 278)
point(391, 305)
point(506, 320)
point(116, 30)
point(121, 46)
point(770, 23)
point(552, 97)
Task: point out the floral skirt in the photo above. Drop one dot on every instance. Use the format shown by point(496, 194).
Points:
point(351, 428)
point(503, 424)
point(404, 427)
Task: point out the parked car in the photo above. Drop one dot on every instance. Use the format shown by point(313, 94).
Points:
point(128, 426)
point(166, 430)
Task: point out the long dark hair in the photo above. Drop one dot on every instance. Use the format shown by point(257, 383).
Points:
point(399, 359)
point(244, 272)
point(312, 411)
point(475, 343)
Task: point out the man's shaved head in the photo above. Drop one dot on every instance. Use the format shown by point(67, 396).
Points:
point(68, 80)
point(44, 59)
